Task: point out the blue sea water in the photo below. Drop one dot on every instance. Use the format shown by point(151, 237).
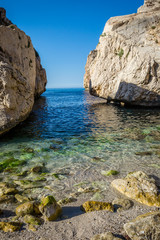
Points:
point(70, 130)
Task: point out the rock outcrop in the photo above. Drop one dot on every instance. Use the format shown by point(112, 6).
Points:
point(140, 187)
point(146, 226)
point(22, 77)
point(125, 66)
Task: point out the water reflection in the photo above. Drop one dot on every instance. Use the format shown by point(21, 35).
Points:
point(68, 113)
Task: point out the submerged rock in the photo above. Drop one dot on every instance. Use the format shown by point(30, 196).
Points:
point(7, 199)
point(109, 173)
point(90, 206)
point(38, 169)
point(21, 74)
point(50, 209)
point(11, 163)
point(10, 226)
point(140, 187)
point(105, 236)
point(8, 191)
point(21, 198)
point(125, 66)
point(87, 190)
point(146, 226)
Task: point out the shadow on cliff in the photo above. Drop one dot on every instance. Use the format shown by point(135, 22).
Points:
point(132, 95)
point(33, 125)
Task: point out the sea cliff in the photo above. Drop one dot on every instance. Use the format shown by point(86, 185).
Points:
point(125, 66)
point(22, 78)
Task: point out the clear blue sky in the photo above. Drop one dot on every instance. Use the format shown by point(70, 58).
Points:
point(65, 31)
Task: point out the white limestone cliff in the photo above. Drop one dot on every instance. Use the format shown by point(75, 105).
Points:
point(22, 77)
point(125, 66)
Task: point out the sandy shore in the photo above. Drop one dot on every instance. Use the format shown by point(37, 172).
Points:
point(75, 224)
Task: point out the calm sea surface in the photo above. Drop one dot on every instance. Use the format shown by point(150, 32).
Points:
point(70, 131)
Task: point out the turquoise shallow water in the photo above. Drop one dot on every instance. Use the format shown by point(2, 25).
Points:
point(78, 136)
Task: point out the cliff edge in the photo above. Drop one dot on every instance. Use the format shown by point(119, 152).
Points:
point(125, 66)
point(22, 78)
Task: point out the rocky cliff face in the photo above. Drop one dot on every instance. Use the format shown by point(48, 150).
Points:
point(22, 77)
point(125, 66)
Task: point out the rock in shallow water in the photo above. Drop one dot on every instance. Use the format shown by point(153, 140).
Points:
point(144, 227)
point(140, 187)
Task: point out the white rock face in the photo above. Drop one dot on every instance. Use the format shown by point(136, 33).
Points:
point(150, 5)
point(21, 75)
point(125, 66)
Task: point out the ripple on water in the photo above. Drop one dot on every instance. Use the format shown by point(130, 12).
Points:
point(76, 136)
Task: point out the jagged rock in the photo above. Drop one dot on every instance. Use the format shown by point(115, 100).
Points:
point(146, 226)
point(90, 206)
point(105, 236)
point(140, 187)
point(150, 5)
point(22, 77)
point(50, 209)
point(125, 66)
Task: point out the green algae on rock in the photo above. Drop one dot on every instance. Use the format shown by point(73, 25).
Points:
point(27, 208)
point(32, 220)
point(67, 200)
point(146, 226)
point(50, 209)
point(38, 169)
point(21, 198)
point(140, 187)
point(90, 206)
point(10, 226)
point(109, 173)
point(11, 163)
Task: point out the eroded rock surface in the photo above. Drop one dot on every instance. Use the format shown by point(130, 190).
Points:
point(146, 226)
point(22, 77)
point(125, 66)
point(105, 236)
point(140, 187)
point(91, 206)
